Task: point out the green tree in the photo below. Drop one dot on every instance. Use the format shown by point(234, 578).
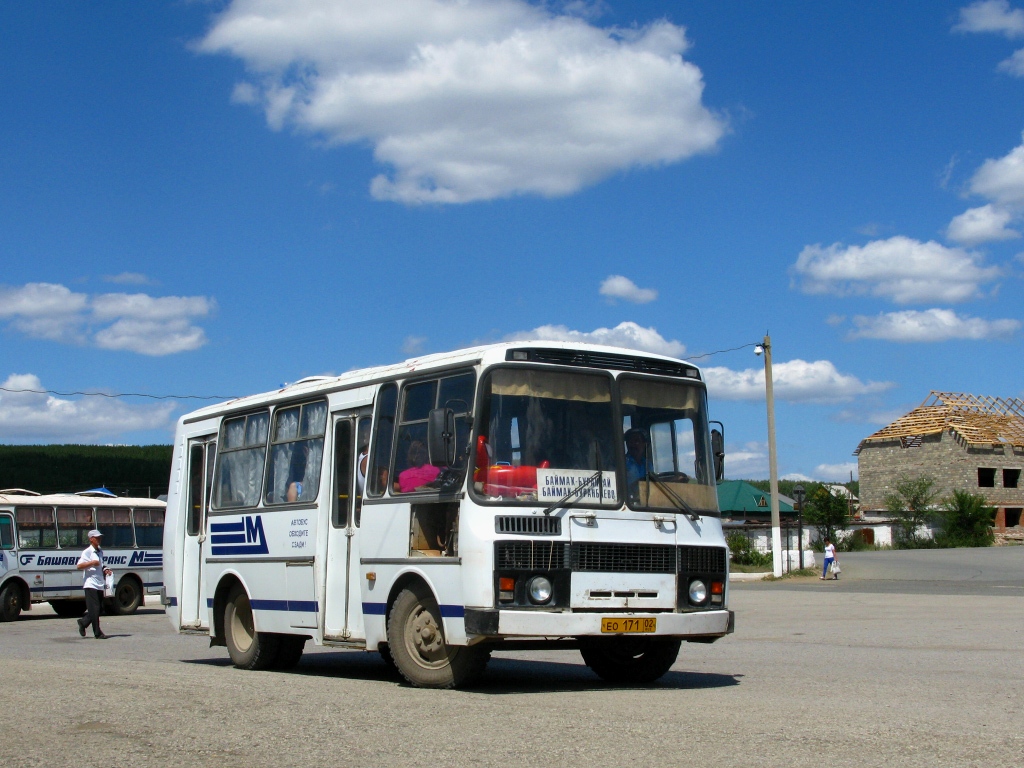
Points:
point(911, 507)
point(966, 521)
point(827, 512)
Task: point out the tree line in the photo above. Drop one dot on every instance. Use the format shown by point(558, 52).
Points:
point(127, 470)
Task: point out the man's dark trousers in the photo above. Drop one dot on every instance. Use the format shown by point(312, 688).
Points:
point(93, 606)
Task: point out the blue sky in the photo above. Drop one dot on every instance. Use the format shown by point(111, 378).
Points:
point(206, 198)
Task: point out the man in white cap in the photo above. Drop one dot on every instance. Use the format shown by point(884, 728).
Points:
point(93, 571)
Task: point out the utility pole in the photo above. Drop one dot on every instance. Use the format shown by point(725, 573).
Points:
point(773, 464)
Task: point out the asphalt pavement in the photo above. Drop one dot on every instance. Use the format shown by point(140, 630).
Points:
point(894, 665)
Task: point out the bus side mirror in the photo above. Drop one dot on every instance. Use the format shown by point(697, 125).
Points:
point(718, 451)
point(441, 437)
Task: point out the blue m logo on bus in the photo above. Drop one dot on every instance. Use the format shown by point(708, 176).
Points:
point(245, 537)
point(147, 559)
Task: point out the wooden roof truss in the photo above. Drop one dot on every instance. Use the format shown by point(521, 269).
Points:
point(971, 419)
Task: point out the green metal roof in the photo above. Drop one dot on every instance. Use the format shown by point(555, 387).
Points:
point(741, 496)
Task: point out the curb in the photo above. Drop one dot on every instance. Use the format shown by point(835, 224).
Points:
point(748, 576)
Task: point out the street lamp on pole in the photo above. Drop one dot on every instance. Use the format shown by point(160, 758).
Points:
point(773, 466)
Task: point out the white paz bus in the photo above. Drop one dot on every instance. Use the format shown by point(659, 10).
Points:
point(42, 537)
point(522, 495)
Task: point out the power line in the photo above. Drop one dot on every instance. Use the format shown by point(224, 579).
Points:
point(121, 394)
point(719, 351)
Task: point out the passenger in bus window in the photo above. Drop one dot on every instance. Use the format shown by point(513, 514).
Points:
point(419, 473)
point(636, 459)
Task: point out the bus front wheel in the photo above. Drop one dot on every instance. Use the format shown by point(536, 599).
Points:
point(10, 602)
point(629, 660)
point(247, 648)
point(417, 644)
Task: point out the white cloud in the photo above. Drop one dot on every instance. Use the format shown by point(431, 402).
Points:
point(32, 417)
point(471, 100)
point(900, 268)
point(413, 345)
point(627, 334)
point(619, 287)
point(798, 477)
point(868, 416)
point(991, 16)
point(795, 381)
point(132, 322)
point(1014, 65)
point(1002, 180)
point(749, 460)
point(981, 225)
point(129, 278)
point(835, 473)
point(930, 325)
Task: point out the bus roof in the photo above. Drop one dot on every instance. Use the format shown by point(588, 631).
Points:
point(22, 497)
point(488, 354)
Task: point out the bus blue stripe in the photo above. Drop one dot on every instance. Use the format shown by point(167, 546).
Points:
point(227, 527)
point(447, 611)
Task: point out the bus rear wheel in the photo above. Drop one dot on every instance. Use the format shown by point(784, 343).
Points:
point(10, 602)
point(68, 609)
point(629, 660)
point(247, 648)
point(417, 644)
point(127, 597)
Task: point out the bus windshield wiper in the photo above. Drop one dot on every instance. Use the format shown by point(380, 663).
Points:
point(675, 498)
point(596, 477)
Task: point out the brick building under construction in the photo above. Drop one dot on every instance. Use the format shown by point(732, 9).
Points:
point(961, 441)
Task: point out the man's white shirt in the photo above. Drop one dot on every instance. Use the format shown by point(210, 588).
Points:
point(92, 578)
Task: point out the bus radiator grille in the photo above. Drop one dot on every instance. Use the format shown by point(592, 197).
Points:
point(529, 555)
point(623, 558)
point(532, 525)
point(702, 560)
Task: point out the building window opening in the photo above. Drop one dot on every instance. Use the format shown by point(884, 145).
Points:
point(1012, 517)
point(986, 477)
point(1011, 478)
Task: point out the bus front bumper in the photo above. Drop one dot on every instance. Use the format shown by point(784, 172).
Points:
point(513, 624)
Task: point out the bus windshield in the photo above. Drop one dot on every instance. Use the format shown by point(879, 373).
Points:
point(668, 457)
point(544, 433)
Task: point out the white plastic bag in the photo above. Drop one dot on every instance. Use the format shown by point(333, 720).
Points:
point(108, 585)
point(836, 570)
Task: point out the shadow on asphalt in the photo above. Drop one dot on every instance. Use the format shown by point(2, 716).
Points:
point(503, 676)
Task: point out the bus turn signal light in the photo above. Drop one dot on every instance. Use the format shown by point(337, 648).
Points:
point(717, 587)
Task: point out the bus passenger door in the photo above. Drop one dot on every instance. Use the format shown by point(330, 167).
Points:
point(191, 595)
point(342, 608)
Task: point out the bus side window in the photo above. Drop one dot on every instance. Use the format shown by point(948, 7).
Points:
point(73, 525)
point(384, 426)
point(243, 452)
point(195, 490)
point(6, 532)
point(149, 528)
point(115, 523)
point(362, 454)
point(342, 474)
point(36, 529)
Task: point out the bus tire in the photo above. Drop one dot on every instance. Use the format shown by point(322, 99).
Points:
point(416, 642)
point(10, 602)
point(629, 660)
point(127, 596)
point(68, 609)
point(247, 648)
point(289, 651)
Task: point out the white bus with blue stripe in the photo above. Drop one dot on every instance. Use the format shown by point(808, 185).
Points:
point(42, 537)
point(515, 496)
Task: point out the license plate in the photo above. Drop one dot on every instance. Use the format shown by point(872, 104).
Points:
point(628, 626)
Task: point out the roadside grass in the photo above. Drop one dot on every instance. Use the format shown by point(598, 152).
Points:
point(799, 572)
point(738, 568)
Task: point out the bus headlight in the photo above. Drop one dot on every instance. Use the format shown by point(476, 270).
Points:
point(698, 592)
point(539, 590)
